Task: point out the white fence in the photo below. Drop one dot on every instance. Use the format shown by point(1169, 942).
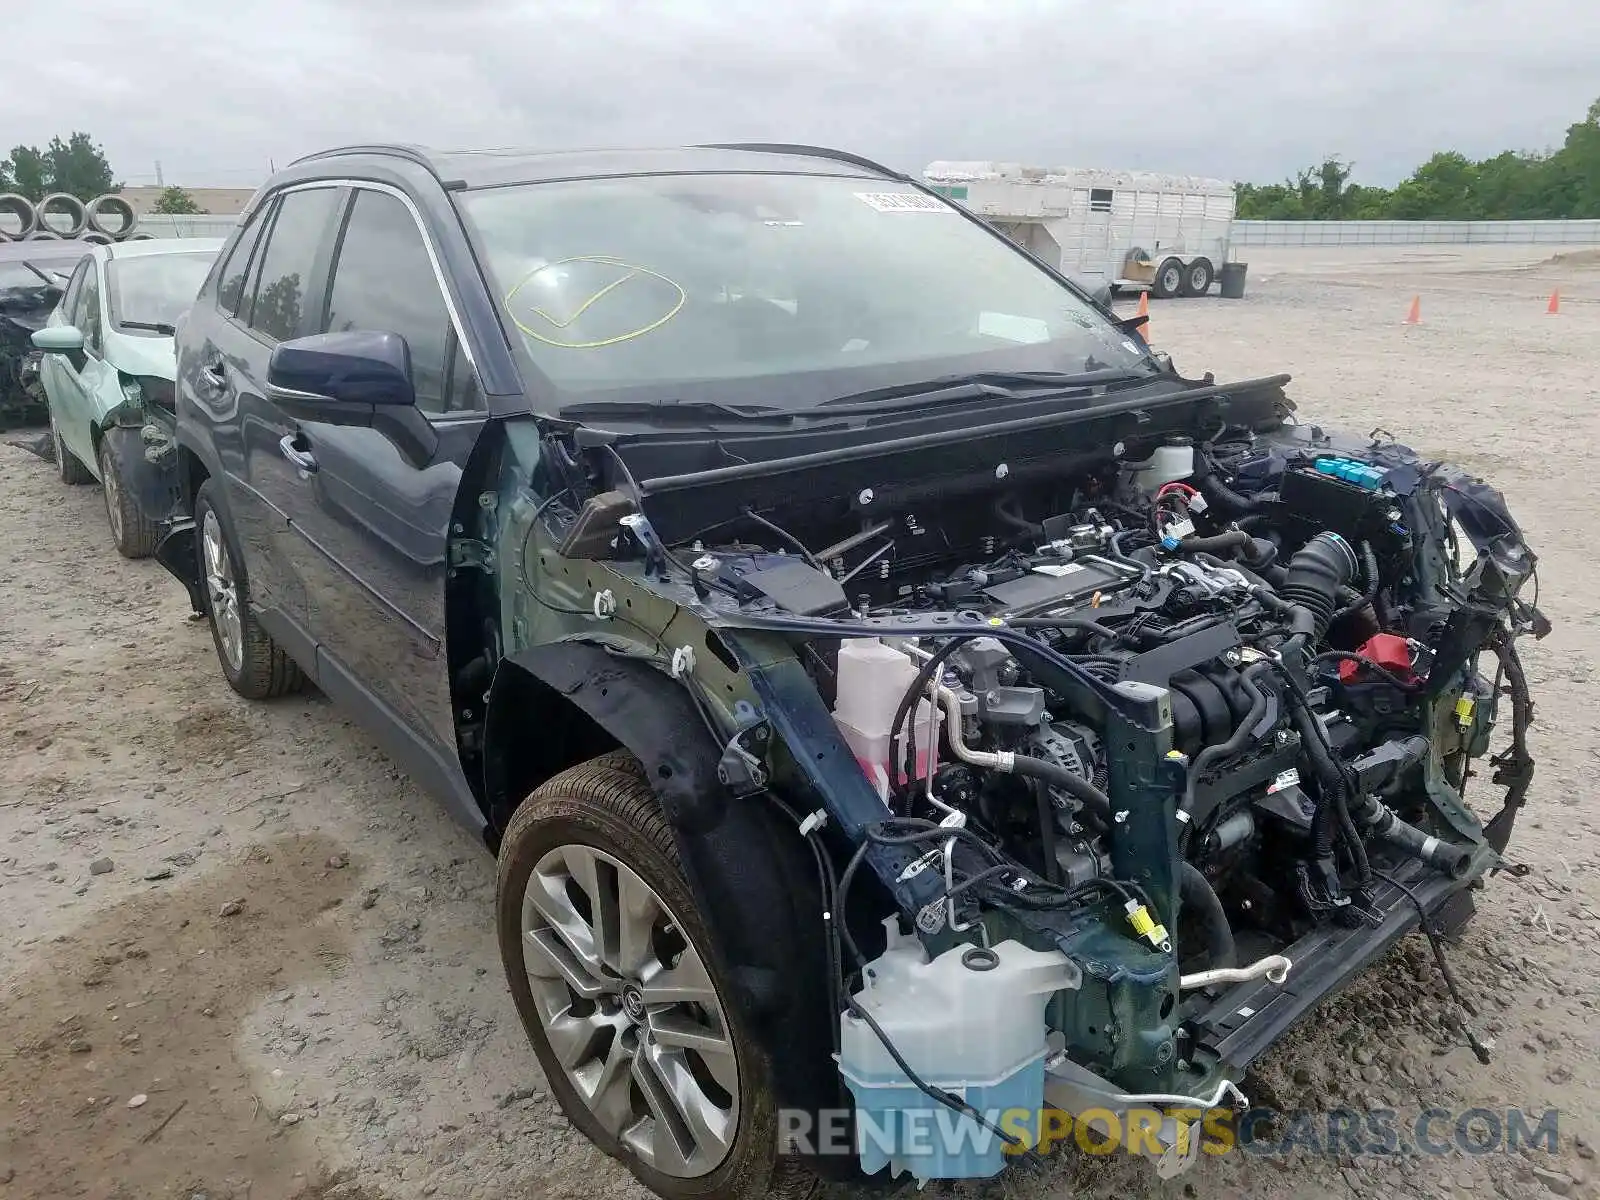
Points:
point(1407, 233)
point(162, 225)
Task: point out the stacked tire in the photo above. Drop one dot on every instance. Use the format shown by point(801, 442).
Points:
point(62, 216)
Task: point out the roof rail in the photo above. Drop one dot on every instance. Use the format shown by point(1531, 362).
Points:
point(412, 153)
point(844, 156)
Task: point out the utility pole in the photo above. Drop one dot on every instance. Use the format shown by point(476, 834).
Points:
point(160, 182)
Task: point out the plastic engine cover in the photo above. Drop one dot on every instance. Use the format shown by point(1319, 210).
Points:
point(970, 1022)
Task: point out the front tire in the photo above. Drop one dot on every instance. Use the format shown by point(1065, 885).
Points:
point(132, 530)
point(68, 465)
point(627, 1010)
point(255, 666)
point(1168, 281)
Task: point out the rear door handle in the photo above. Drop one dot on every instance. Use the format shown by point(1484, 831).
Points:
point(302, 459)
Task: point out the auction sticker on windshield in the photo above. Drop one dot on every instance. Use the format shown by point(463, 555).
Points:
point(903, 202)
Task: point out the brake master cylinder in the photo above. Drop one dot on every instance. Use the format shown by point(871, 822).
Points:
point(970, 1023)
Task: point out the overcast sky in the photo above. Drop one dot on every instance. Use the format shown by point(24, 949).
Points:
point(1252, 89)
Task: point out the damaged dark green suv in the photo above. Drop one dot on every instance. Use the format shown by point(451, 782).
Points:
point(899, 701)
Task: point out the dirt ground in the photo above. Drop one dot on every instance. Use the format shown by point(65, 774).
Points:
point(244, 957)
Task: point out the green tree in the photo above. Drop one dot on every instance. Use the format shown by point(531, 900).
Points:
point(26, 171)
point(1512, 185)
point(76, 165)
point(176, 201)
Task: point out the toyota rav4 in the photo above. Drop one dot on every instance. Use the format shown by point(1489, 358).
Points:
point(889, 688)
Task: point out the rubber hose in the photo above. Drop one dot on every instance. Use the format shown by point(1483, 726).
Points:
point(1316, 573)
point(1194, 891)
point(1262, 553)
point(1236, 743)
point(1217, 543)
point(1116, 552)
point(1369, 564)
point(1381, 822)
point(902, 715)
point(1330, 779)
point(1073, 784)
point(1016, 520)
point(1302, 621)
point(1218, 494)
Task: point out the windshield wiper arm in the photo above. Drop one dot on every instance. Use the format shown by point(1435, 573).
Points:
point(152, 326)
point(676, 409)
point(1001, 385)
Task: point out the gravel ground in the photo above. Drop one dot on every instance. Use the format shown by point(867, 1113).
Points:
point(244, 956)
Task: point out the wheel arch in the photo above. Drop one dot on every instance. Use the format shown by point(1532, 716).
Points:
point(752, 876)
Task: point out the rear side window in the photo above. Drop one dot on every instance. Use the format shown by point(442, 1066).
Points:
point(288, 260)
point(384, 280)
point(237, 268)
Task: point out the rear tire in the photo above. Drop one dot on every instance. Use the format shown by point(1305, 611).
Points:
point(1197, 278)
point(585, 852)
point(68, 465)
point(254, 665)
point(132, 531)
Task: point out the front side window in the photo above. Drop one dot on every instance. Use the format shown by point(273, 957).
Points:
point(149, 293)
point(278, 310)
point(69, 300)
point(783, 288)
point(87, 314)
point(384, 280)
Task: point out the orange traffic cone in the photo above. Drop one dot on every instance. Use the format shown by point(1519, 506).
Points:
point(1414, 317)
point(1144, 311)
point(1553, 309)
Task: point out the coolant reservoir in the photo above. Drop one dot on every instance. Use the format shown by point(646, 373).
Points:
point(970, 1022)
point(872, 680)
point(1173, 460)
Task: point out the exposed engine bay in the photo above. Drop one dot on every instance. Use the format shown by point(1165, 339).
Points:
point(1163, 752)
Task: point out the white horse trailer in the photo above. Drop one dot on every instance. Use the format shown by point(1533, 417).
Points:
point(1134, 230)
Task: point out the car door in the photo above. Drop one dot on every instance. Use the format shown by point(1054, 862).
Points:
point(60, 374)
point(84, 374)
point(375, 512)
point(273, 295)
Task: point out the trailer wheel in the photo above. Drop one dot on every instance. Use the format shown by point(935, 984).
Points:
point(1197, 279)
point(1169, 279)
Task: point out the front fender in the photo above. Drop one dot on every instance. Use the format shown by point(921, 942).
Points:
point(753, 879)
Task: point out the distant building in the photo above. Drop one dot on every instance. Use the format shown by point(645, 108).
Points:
point(219, 202)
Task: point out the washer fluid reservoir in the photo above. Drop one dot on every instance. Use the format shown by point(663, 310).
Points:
point(970, 1022)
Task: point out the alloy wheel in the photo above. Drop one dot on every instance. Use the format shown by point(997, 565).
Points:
point(223, 590)
point(113, 494)
point(630, 1011)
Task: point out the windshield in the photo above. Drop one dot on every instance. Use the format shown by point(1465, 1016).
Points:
point(155, 289)
point(787, 289)
point(38, 272)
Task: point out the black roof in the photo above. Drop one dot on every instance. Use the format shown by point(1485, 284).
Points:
point(490, 168)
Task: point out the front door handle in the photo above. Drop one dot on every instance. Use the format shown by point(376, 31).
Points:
point(302, 459)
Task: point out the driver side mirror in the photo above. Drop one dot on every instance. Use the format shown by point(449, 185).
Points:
point(357, 377)
point(358, 369)
point(58, 339)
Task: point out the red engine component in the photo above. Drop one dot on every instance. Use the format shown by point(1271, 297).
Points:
point(1388, 650)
